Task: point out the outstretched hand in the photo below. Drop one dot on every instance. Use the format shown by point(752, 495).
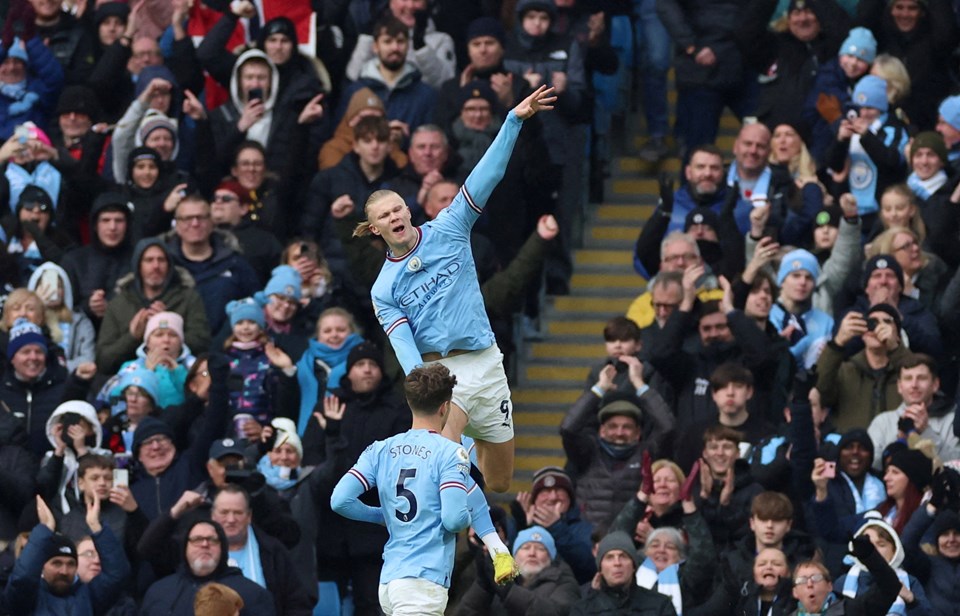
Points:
point(542, 99)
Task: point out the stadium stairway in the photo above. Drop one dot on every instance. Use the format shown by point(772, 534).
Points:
point(552, 371)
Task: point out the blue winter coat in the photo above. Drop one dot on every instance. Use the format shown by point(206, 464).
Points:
point(410, 100)
point(44, 78)
point(27, 593)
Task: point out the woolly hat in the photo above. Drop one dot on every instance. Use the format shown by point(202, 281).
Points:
point(59, 545)
point(701, 216)
point(486, 26)
point(889, 310)
point(538, 534)
point(365, 350)
point(23, 333)
point(145, 379)
point(148, 428)
point(873, 519)
point(871, 91)
point(236, 188)
point(797, 260)
point(477, 89)
point(546, 6)
point(284, 280)
point(164, 320)
point(619, 403)
point(950, 110)
point(828, 216)
point(111, 9)
point(857, 435)
point(18, 51)
point(154, 120)
point(915, 465)
point(35, 194)
point(946, 520)
point(877, 262)
point(934, 141)
point(287, 433)
point(112, 201)
point(551, 477)
point(617, 540)
point(79, 99)
point(279, 25)
point(860, 43)
point(245, 309)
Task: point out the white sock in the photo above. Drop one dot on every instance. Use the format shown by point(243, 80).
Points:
point(494, 544)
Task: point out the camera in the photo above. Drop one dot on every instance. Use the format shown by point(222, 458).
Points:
point(620, 367)
point(872, 324)
point(850, 111)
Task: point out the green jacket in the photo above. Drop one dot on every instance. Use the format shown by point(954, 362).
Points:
point(851, 389)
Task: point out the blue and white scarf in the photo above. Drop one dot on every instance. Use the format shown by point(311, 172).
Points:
point(666, 581)
point(334, 360)
point(247, 559)
point(279, 478)
point(874, 492)
point(924, 189)
point(851, 586)
point(759, 188)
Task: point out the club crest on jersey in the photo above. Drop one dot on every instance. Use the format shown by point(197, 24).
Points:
point(415, 264)
point(462, 454)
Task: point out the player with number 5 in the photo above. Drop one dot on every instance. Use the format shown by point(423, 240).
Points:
point(426, 498)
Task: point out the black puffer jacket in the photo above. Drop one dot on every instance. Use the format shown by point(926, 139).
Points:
point(713, 24)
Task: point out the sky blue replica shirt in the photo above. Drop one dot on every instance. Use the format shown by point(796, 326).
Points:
point(422, 479)
point(429, 300)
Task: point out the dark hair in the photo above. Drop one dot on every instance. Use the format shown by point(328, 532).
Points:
point(248, 144)
point(427, 387)
point(376, 127)
point(707, 308)
point(920, 359)
point(94, 461)
point(730, 372)
point(722, 433)
point(389, 25)
point(761, 277)
point(771, 505)
point(621, 328)
point(707, 148)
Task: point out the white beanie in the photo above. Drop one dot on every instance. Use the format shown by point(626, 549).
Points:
point(287, 433)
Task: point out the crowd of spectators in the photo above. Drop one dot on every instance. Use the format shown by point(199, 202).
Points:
point(191, 360)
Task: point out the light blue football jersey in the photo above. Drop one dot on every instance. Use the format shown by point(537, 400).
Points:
point(429, 300)
point(409, 472)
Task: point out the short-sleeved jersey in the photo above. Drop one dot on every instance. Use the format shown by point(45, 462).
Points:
point(434, 286)
point(409, 471)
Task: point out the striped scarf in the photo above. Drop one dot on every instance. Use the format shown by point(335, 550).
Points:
point(851, 586)
point(666, 581)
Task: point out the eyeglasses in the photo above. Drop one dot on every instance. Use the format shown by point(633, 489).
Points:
point(225, 198)
point(88, 554)
point(910, 245)
point(156, 440)
point(202, 540)
point(665, 305)
point(132, 393)
point(196, 218)
point(251, 164)
point(816, 578)
point(687, 256)
point(476, 109)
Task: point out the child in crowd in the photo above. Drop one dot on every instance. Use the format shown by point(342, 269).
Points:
point(69, 328)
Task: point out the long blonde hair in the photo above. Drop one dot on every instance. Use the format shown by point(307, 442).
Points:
point(883, 244)
point(16, 299)
point(893, 71)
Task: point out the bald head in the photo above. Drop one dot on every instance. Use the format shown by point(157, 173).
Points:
point(751, 149)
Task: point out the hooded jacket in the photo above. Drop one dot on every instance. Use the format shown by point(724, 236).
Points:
point(27, 593)
point(95, 266)
point(58, 474)
point(341, 144)
point(174, 594)
point(409, 100)
point(78, 335)
point(115, 344)
point(277, 130)
point(44, 78)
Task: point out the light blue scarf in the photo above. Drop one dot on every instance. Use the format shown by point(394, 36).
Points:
point(851, 586)
point(666, 581)
point(334, 360)
point(274, 474)
point(248, 560)
point(924, 189)
point(760, 187)
point(874, 492)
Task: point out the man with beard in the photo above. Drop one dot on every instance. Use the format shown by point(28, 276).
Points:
point(204, 560)
point(409, 101)
point(703, 187)
point(545, 584)
point(44, 579)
